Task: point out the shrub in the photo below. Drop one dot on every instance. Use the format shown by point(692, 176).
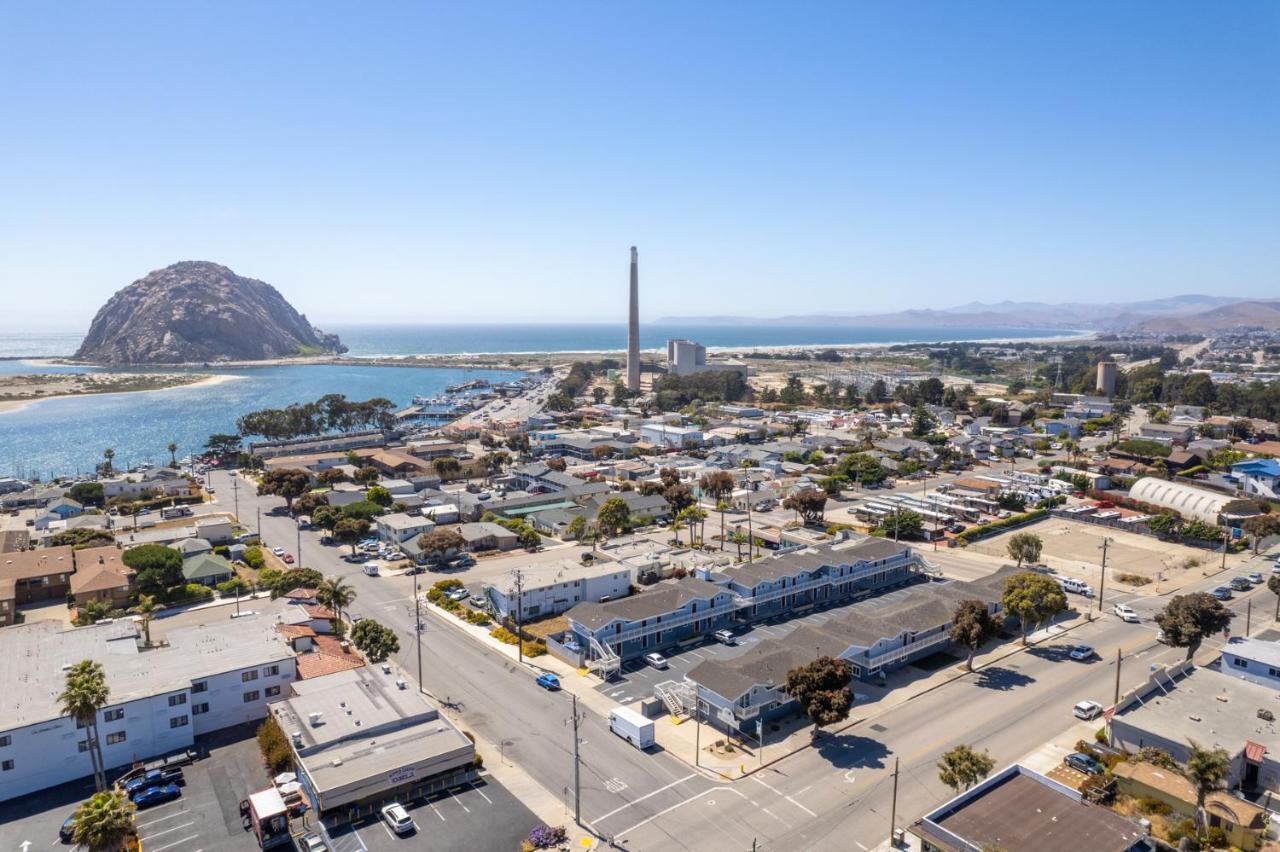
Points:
point(477, 617)
point(253, 558)
point(545, 837)
point(276, 753)
point(1177, 831)
point(983, 530)
point(1101, 735)
point(1132, 579)
point(1148, 805)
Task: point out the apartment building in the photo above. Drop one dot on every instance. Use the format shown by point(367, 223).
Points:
point(552, 589)
point(208, 677)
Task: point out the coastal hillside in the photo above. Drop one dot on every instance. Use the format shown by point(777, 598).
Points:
point(1240, 315)
point(195, 312)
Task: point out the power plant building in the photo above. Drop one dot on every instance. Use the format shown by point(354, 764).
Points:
point(688, 358)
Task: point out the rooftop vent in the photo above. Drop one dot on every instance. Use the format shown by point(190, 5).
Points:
point(400, 683)
point(297, 738)
point(314, 718)
point(386, 668)
point(1266, 715)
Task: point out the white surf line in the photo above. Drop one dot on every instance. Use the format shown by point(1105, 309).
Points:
point(642, 798)
point(784, 795)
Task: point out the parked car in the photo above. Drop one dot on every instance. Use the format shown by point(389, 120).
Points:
point(724, 637)
point(154, 778)
point(278, 551)
point(287, 559)
point(1222, 593)
point(1241, 584)
point(397, 818)
point(655, 660)
point(1125, 612)
point(314, 843)
point(477, 602)
point(66, 833)
point(1083, 762)
point(1275, 569)
point(156, 795)
point(1086, 710)
point(1082, 652)
point(547, 680)
point(1255, 577)
point(458, 595)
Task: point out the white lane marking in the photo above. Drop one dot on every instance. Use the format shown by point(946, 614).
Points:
point(433, 807)
point(481, 792)
point(161, 819)
point(758, 780)
point(860, 846)
point(805, 790)
point(175, 843)
point(615, 785)
point(645, 796)
point(459, 801)
point(169, 830)
point(666, 811)
point(775, 816)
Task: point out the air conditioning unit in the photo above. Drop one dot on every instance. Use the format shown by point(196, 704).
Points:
point(314, 718)
point(296, 736)
point(386, 668)
point(400, 683)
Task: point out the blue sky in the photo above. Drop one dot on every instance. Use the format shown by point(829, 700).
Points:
point(494, 161)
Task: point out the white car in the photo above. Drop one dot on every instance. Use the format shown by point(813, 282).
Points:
point(1126, 613)
point(278, 551)
point(397, 818)
point(1086, 710)
point(657, 661)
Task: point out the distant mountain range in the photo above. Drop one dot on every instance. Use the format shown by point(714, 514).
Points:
point(1188, 313)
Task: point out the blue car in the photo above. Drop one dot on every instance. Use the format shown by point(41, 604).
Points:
point(1222, 593)
point(547, 680)
point(67, 832)
point(154, 778)
point(156, 795)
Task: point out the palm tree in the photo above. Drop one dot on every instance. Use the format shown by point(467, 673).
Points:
point(1205, 769)
point(173, 454)
point(104, 823)
point(83, 696)
point(108, 454)
point(677, 524)
point(336, 594)
point(146, 608)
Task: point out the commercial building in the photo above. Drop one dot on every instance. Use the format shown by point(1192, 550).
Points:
point(1192, 503)
point(552, 589)
point(363, 737)
point(1018, 810)
point(1182, 704)
point(206, 678)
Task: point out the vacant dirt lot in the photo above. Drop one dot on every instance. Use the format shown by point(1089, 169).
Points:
point(1074, 549)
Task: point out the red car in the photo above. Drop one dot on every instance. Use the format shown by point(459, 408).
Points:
point(287, 559)
point(1104, 504)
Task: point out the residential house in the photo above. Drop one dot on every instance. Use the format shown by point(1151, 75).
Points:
point(546, 590)
point(1166, 433)
point(400, 526)
point(555, 522)
point(1241, 821)
point(639, 505)
point(101, 576)
point(1256, 660)
point(207, 569)
point(38, 575)
point(671, 437)
point(486, 535)
point(8, 601)
point(189, 547)
point(215, 530)
point(64, 507)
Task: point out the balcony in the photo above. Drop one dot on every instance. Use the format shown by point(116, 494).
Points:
point(669, 623)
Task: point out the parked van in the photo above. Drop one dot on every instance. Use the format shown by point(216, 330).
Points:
point(371, 569)
point(631, 726)
point(1079, 587)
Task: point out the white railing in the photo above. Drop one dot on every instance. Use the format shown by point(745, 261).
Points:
point(637, 631)
point(905, 651)
point(859, 573)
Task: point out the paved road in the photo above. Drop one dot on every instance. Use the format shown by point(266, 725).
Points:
point(840, 789)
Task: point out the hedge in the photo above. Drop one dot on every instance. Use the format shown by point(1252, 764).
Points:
point(975, 533)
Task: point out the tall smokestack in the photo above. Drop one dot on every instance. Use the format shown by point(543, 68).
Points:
point(633, 327)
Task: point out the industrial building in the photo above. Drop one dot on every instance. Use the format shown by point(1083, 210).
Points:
point(688, 358)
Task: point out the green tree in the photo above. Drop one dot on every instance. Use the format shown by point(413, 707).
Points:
point(108, 456)
point(289, 483)
point(236, 586)
point(337, 594)
point(84, 693)
point(223, 446)
point(1164, 524)
point(145, 608)
point(862, 469)
point(330, 476)
point(901, 523)
point(309, 502)
point(364, 510)
point(962, 767)
point(87, 493)
point(325, 517)
point(374, 640)
point(718, 485)
point(446, 467)
point(365, 475)
point(922, 422)
point(822, 690)
point(809, 503)
point(350, 531)
point(1187, 620)
point(158, 567)
point(379, 495)
point(971, 627)
point(598, 395)
point(104, 822)
point(613, 516)
point(440, 542)
point(1206, 769)
point(1260, 527)
point(1024, 547)
point(577, 528)
point(1032, 598)
point(173, 454)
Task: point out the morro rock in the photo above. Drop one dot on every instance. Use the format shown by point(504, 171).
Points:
point(195, 311)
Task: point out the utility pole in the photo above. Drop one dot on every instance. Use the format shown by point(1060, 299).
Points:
point(1119, 658)
point(697, 731)
point(519, 617)
point(577, 768)
point(235, 492)
point(893, 808)
point(1226, 535)
point(259, 525)
point(297, 526)
point(1102, 582)
point(1248, 617)
point(417, 626)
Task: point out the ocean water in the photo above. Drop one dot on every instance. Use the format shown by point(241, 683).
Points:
point(419, 339)
point(67, 436)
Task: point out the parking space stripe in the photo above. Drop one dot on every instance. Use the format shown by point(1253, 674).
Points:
point(481, 792)
point(459, 801)
point(169, 830)
point(175, 843)
point(437, 811)
point(162, 819)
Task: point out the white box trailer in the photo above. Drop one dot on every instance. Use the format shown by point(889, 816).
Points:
point(631, 726)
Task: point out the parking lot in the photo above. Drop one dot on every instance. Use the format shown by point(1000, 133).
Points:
point(638, 679)
point(479, 816)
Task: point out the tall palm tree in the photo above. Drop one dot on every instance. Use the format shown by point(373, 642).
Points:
point(677, 524)
point(108, 454)
point(1205, 769)
point(84, 694)
point(173, 454)
point(104, 823)
point(146, 608)
point(336, 594)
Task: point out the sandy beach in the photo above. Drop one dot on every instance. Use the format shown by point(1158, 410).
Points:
point(179, 381)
